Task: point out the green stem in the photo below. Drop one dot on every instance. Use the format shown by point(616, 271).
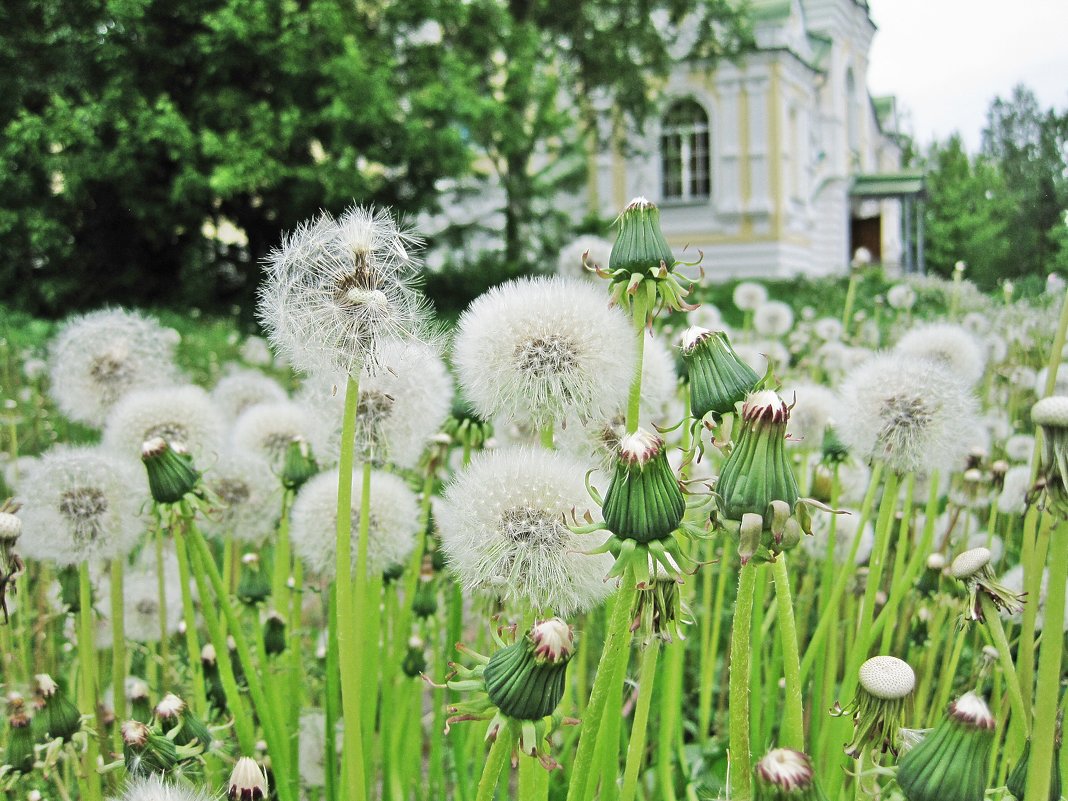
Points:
point(118, 652)
point(499, 754)
point(347, 620)
point(640, 726)
point(615, 650)
point(1043, 752)
point(640, 312)
point(88, 696)
point(847, 311)
point(547, 437)
point(161, 588)
point(792, 730)
point(670, 710)
point(740, 758)
point(709, 656)
point(192, 642)
point(1020, 722)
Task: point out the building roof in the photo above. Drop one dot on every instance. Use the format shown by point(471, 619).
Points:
point(888, 185)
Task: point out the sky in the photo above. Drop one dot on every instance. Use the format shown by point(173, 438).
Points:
point(945, 60)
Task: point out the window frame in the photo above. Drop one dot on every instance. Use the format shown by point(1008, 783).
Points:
point(685, 153)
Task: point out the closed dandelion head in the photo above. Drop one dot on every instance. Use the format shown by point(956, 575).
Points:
point(949, 346)
point(97, 358)
point(241, 389)
point(82, 504)
point(403, 402)
point(784, 774)
point(773, 319)
point(336, 287)
point(249, 495)
point(909, 412)
point(885, 685)
point(394, 521)
point(504, 531)
point(181, 415)
point(973, 568)
point(547, 350)
point(248, 781)
point(1051, 414)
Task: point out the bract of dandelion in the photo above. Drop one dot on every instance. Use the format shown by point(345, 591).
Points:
point(336, 287)
point(911, 412)
point(547, 350)
point(394, 522)
point(504, 529)
point(97, 358)
point(82, 504)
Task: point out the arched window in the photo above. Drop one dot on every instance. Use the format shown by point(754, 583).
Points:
point(684, 158)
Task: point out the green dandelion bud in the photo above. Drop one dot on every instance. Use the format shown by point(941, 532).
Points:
point(137, 696)
point(950, 763)
point(525, 680)
point(883, 697)
point(640, 245)
point(171, 473)
point(1017, 781)
point(255, 584)
point(833, 450)
point(758, 471)
point(932, 576)
point(425, 601)
point(174, 713)
point(210, 665)
point(274, 634)
point(973, 568)
point(414, 662)
point(643, 502)
point(299, 464)
point(18, 755)
point(145, 752)
point(719, 378)
point(1052, 415)
point(57, 716)
point(785, 775)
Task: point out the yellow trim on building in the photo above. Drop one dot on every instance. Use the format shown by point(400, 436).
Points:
point(775, 151)
point(745, 188)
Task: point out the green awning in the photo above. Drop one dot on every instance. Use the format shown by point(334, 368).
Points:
point(888, 185)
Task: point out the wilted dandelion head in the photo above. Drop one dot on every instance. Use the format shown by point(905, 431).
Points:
point(182, 414)
point(337, 286)
point(545, 350)
point(97, 358)
point(249, 494)
point(267, 429)
point(394, 522)
point(748, 295)
point(585, 250)
point(82, 504)
point(773, 318)
point(504, 533)
point(241, 389)
point(950, 346)
point(402, 404)
point(910, 412)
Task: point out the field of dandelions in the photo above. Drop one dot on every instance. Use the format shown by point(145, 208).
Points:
point(620, 533)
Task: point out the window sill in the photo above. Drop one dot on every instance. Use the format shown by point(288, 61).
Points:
point(675, 203)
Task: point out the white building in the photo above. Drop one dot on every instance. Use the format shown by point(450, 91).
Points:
point(781, 163)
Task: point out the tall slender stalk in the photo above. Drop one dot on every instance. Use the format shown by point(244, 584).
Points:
point(88, 700)
point(792, 729)
point(118, 651)
point(498, 757)
point(741, 760)
point(639, 728)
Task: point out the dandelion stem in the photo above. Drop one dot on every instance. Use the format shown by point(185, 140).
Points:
point(88, 699)
point(192, 642)
point(640, 311)
point(1021, 719)
point(499, 753)
point(1043, 751)
point(792, 729)
point(740, 759)
point(118, 652)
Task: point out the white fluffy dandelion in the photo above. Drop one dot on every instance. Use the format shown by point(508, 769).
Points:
point(908, 411)
point(140, 599)
point(183, 414)
point(773, 319)
point(950, 346)
point(82, 504)
point(586, 250)
point(243, 388)
point(250, 497)
point(814, 408)
point(97, 358)
point(267, 429)
point(1014, 489)
point(394, 522)
point(402, 404)
point(156, 788)
point(829, 329)
point(545, 350)
point(503, 530)
point(901, 297)
point(336, 287)
point(748, 295)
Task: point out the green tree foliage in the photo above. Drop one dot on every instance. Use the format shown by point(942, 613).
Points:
point(132, 126)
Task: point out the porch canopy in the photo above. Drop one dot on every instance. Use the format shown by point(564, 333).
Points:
point(908, 187)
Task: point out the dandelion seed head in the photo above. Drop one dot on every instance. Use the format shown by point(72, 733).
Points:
point(887, 677)
point(267, 429)
point(394, 520)
point(1014, 488)
point(948, 345)
point(748, 295)
point(241, 389)
point(97, 358)
point(81, 504)
point(773, 318)
point(815, 407)
point(845, 530)
point(503, 530)
point(250, 496)
point(548, 350)
point(908, 411)
point(182, 414)
point(828, 329)
point(156, 788)
point(901, 297)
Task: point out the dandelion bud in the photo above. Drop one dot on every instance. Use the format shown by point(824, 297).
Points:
point(248, 781)
point(425, 602)
point(883, 694)
point(137, 696)
point(414, 662)
point(10, 529)
point(951, 761)
point(931, 577)
point(254, 585)
point(643, 502)
point(973, 568)
point(1052, 415)
point(57, 716)
point(19, 752)
point(274, 634)
point(299, 464)
point(173, 712)
point(758, 471)
point(1017, 781)
point(145, 752)
point(785, 775)
point(718, 377)
point(171, 473)
point(525, 680)
point(640, 245)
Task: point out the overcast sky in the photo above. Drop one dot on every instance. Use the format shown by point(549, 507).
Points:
point(947, 59)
